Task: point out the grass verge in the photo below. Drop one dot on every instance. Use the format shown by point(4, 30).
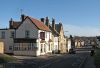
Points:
point(6, 58)
point(97, 58)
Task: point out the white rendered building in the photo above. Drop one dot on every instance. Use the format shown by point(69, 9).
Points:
point(27, 37)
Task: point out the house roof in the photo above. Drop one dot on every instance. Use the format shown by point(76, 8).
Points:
point(39, 24)
point(54, 31)
point(36, 22)
point(16, 24)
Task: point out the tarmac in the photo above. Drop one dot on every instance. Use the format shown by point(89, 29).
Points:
point(89, 63)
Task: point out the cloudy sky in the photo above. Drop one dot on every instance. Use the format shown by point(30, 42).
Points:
point(79, 17)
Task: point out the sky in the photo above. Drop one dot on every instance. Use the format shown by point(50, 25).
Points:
point(79, 17)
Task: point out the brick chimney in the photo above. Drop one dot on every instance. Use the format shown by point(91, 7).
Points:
point(11, 23)
point(22, 17)
point(47, 22)
point(42, 20)
point(53, 23)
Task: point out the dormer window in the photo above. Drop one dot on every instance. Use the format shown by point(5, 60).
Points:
point(27, 33)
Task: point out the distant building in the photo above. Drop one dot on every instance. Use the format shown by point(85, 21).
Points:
point(85, 41)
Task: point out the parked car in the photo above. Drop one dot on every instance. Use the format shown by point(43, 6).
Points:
point(72, 51)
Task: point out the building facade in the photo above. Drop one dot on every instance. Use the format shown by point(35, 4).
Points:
point(27, 37)
point(33, 37)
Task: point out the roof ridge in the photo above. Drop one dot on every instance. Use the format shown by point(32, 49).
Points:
point(39, 24)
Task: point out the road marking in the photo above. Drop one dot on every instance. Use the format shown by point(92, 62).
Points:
point(50, 63)
point(83, 61)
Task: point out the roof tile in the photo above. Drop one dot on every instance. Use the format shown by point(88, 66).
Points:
point(39, 24)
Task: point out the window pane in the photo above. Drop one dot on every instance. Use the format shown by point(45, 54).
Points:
point(27, 34)
point(42, 35)
point(12, 34)
point(3, 35)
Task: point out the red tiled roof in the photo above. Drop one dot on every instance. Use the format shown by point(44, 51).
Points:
point(16, 24)
point(36, 22)
point(39, 24)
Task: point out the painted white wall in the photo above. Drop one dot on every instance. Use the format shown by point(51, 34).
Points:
point(47, 37)
point(20, 33)
point(27, 25)
point(8, 41)
point(82, 43)
point(55, 43)
point(76, 44)
point(69, 44)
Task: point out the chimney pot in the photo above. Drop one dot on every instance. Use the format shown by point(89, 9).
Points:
point(22, 17)
point(47, 22)
point(42, 20)
point(11, 23)
point(53, 23)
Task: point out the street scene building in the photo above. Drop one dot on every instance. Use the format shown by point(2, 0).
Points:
point(33, 37)
point(85, 41)
point(50, 34)
point(59, 43)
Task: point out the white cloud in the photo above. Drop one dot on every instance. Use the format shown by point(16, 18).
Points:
point(81, 30)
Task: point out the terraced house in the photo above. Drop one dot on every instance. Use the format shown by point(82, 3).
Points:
point(33, 37)
point(59, 41)
point(26, 37)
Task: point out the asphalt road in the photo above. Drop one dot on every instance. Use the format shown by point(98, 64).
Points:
point(67, 61)
point(53, 61)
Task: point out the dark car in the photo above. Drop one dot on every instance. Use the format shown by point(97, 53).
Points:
point(72, 51)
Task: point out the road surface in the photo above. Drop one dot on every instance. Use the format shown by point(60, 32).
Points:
point(53, 61)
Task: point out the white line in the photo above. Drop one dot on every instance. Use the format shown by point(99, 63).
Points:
point(49, 64)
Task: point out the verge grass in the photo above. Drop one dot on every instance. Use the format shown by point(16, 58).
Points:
point(97, 58)
point(7, 58)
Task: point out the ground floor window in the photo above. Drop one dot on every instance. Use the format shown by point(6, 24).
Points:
point(50, 47)
point(10, 47)
point(41, 48)
point(16, 47)
point(24, 46)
